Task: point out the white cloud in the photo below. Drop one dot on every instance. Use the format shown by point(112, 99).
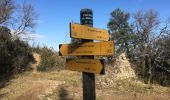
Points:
point(28, 35)
point(35, 36)
point(31, 36)
point(39, 21)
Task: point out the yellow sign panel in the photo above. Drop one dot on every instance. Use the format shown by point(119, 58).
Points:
point(89, 48)
point(86, 32)
point(84, 65)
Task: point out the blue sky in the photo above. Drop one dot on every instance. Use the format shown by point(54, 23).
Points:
point(55, 15)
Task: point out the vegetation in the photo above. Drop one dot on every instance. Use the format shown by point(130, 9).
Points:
point(120, 29)
point(20, 18)
point(144, 41)
point(15, 54)
point(50, 60)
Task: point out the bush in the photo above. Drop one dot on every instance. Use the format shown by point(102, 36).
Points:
point(50, 60)
point(15, 56)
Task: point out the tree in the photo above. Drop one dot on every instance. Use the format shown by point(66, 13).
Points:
point(20, 20)
point(5, 33)
point(145, 23)
point(120, 29)
point(147, 31)
point(160, 56)
point(15, 20)
point(6, 9)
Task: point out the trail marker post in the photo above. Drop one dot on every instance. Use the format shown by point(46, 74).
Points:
point(89, 91)
point(86, 50)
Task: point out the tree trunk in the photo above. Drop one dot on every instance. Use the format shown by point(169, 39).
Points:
point(149, 71)
point(143, 63)
point(143, 66)
point(127, 46)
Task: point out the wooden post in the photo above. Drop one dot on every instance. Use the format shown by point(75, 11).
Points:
point(89, 93)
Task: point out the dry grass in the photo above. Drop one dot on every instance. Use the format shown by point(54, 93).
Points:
point(67, 85)
point(32, 86)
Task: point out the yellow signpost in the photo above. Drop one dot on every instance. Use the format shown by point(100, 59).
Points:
point(84, 65)
point(88, 48)
point(86, 32)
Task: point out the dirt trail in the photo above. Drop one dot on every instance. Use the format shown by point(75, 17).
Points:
point(30, 85)
point(37, 58)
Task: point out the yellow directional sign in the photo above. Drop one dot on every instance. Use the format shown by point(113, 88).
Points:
point(89, 48)
point(84, 65)
point(86, 32)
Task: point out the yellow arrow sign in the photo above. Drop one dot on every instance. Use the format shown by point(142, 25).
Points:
point(89, 48)
point(84, 65)
point(86, 32)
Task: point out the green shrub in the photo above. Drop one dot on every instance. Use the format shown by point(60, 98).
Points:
point(15, 56)
point(50, 60)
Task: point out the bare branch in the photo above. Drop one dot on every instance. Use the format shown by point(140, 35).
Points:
point(6, 9)
point(27, 21)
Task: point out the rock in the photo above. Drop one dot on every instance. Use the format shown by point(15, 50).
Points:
point(123, 68)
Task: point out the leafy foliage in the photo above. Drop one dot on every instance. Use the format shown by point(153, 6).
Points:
point(50, 60)
point(14, 56)
point(120, 29)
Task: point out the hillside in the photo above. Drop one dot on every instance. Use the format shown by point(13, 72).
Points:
point(119, 83)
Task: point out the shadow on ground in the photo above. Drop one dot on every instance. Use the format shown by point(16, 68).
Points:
point(64, 94)
point(4, 81)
